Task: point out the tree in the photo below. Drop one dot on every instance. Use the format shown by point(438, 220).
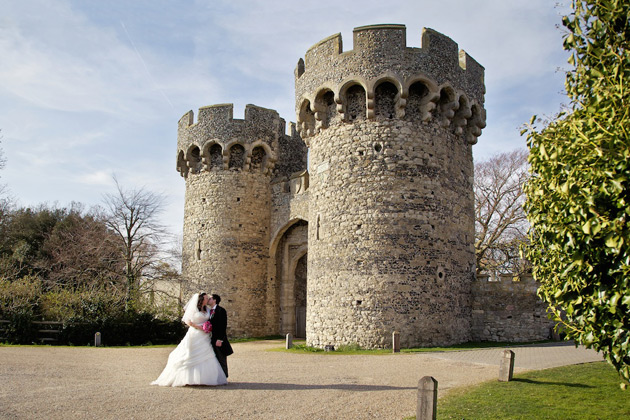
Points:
point(578, 198)
point(82, 253)
point(500, 221)
point(133, 216)
point(5, 200)
point(25, 231)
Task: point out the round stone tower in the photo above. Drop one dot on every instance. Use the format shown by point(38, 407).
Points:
point(227, 164)
point(391, 212)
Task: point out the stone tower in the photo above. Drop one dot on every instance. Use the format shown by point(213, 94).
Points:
point(391, 212)
point(229, 165)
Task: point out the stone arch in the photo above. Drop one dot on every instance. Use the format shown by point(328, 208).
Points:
point(475, 123)
point(463, 113)
point(326, 107)
point(182, 167)
point(355, 101)
point(193, 157)
point(277, 235)
point(236, 157)
point(258, 159)
point(447, 105)
point(212, 155)
point(421, 99)
point(289, 253)
point(386, 96)
point(306, 119)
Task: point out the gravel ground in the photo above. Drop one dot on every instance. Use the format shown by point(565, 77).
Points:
point(113, 383)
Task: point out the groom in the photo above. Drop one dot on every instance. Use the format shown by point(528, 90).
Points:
point(220, 343)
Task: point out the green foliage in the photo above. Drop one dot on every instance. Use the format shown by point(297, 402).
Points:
point(578, 198)
point(20, 296)
point(587, 391)
point(64, 304)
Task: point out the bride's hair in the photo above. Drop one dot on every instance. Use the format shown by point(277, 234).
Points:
point(200, 301)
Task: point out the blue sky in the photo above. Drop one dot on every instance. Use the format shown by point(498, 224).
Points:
point(89, 89)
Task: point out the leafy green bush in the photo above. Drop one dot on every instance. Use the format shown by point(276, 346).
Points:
point(578, 197)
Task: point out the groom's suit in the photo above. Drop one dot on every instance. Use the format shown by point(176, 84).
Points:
point(219, 327)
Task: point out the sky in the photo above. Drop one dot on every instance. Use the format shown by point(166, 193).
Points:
point(91, 89)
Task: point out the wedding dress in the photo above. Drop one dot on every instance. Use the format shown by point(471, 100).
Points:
point(193, 361)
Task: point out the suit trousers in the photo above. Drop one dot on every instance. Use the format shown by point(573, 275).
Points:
point(222, 358)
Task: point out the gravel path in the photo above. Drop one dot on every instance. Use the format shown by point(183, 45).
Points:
point(113, 383)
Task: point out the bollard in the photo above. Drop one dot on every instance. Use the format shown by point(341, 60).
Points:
point(97, 339)
point(396, 342)
point(506, 369)
point(289, 341)
point(427, 398)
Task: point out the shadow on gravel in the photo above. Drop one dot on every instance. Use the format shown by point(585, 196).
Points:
point(284, 387)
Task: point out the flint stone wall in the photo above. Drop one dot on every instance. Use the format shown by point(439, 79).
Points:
point(509, 311)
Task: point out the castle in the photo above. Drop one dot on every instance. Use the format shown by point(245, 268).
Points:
point(377, 234)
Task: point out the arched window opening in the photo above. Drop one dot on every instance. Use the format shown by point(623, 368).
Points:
point(307, 118)
point(258, 159)
point(355, 103)
point(445, 111)
point(417, 94)
point(216, 157)
point(327, 106)
point(195, 160)
point(385, 100)
point(181, 164)
point(237, 157)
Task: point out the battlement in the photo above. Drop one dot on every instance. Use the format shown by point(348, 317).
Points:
point(386, 49)
point(219, 141)
point(218, 120)
point(435, 81)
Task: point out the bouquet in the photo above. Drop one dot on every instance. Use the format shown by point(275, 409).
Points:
point(207, 327)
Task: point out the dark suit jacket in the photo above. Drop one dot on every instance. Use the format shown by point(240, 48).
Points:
point(219, 331)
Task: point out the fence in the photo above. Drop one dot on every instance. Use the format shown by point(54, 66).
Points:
point(47, 332)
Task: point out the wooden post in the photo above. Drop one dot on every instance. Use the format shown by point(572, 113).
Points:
point(427, 398)
point(289, 343)
point(97, 339)
point(395, 342)
point(506, 369)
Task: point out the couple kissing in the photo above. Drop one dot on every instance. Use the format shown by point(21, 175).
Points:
point(201, 357)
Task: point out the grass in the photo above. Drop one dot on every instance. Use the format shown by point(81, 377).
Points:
point(586, 391)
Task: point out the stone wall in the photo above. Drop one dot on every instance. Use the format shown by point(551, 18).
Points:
point(509, 310)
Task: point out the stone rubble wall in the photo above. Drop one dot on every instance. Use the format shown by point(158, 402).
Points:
point(509, 311)
point(390, 235)
point(226, 244)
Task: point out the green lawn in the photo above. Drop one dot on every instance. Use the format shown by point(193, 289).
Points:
point(586, 391)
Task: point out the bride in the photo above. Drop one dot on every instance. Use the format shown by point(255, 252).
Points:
point(193, 361)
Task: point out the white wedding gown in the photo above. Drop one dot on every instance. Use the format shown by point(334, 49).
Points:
point(193, 361)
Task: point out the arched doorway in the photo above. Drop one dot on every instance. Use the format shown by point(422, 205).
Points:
point(291, 258)
point(299, 293)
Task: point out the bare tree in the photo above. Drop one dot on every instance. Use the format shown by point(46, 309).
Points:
point(500, 221)
point(133, 216)
point(83, 253)
point(5, 200)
